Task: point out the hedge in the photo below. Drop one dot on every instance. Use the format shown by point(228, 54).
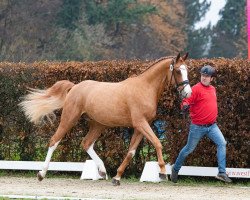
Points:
point(21, 140)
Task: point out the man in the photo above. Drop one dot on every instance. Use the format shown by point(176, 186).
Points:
point(202, 105)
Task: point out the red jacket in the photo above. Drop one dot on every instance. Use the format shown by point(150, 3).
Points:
point(203, 104)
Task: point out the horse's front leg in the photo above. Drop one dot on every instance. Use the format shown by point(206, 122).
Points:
point(143, 127)
point(135, 141)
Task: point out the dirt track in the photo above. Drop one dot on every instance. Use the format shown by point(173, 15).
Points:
point(68, 187)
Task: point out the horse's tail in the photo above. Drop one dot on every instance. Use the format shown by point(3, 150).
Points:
point(42, 103)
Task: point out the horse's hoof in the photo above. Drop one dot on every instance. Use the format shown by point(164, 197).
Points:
point(115, 182)
point(163, 176)
point(39, 176)
point(102, 174)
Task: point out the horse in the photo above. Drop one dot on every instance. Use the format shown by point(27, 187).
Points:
point(129, 103)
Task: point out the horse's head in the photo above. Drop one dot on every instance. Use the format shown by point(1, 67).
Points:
point(179, 75)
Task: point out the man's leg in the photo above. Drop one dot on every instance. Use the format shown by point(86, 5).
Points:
point(217, 137)
point(194, 136)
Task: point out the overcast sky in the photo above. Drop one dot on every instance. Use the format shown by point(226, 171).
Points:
point(212, 14)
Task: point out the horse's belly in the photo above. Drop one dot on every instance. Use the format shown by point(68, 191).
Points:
point(110, 117)
point(109, 109)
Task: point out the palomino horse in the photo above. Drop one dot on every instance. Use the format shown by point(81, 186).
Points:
point(129, 103)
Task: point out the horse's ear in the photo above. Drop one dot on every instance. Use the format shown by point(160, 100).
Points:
point(185, 56)
point(178, 57)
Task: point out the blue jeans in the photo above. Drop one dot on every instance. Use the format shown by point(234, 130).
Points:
point(195, 134)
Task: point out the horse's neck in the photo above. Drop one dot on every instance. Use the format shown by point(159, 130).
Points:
point(157, 75)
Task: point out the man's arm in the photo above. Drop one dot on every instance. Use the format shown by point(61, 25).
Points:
point(185, 105)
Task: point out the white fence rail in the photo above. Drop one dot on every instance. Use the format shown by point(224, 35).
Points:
point(150, 172)
point(37, 165)
point(89, 169)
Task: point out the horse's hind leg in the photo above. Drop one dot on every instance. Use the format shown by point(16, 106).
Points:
point(88, 142)
point(135, 141)
point(70, 115)
point(41, 174)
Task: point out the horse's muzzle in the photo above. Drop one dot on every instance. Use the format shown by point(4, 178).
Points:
point(186, 91)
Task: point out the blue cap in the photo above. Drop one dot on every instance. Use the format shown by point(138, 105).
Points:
point(208, 70)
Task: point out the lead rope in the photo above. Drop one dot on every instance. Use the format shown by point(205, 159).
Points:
point(183, 124)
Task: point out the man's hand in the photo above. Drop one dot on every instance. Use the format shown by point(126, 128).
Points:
point(185, 109)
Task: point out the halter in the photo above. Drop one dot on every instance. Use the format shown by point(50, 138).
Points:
point(185, 83)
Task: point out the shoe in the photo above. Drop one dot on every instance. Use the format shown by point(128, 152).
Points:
point(223, 177)
point(174, 175)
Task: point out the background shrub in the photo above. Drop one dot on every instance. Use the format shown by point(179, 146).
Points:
point(21, 140)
